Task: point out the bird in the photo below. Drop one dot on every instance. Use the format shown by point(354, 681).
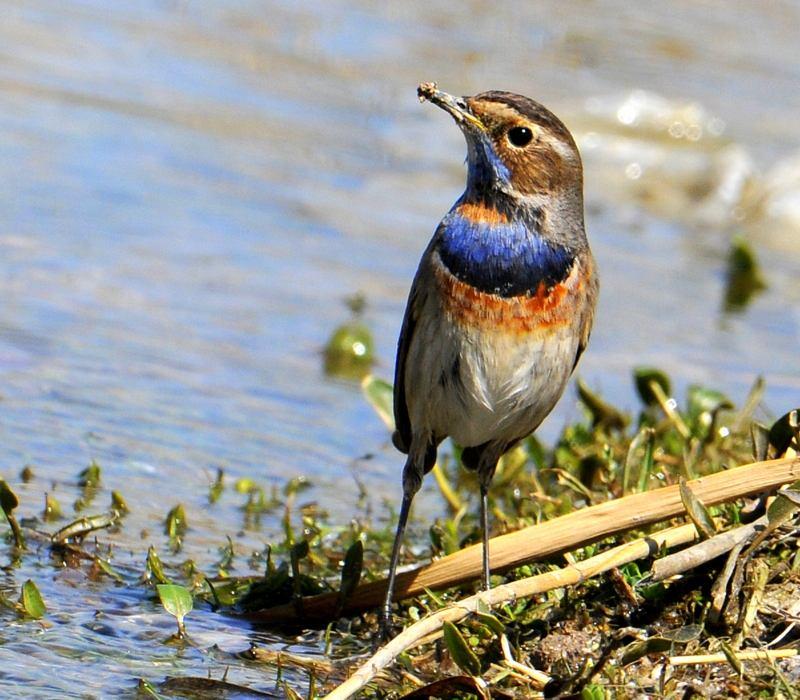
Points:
point(502, 304)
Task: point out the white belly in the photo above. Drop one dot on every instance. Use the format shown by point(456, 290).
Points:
point(476, 387)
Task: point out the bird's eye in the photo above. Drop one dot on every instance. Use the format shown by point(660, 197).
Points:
point(519, 136)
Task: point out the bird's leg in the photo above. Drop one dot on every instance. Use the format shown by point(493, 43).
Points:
point(412, 479)
point(386, 612)
point(485, 529)
point(486, 468)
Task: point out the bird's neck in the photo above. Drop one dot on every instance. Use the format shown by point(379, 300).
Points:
point(498, 247)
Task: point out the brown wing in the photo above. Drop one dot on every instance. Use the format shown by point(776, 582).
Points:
point(402, 434)
point(588, 314)
point(584, 341)
point(420, 288)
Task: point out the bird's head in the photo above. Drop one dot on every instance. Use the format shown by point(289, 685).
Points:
point(515, 145)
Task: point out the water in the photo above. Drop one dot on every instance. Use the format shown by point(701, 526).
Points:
point(190, 189)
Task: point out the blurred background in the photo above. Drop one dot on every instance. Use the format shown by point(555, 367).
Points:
point(190, 190)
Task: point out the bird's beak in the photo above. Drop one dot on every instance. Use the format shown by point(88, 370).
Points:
point(456, 106)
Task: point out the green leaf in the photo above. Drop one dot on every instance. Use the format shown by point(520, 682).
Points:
point(296, 485)
point(88, 480)
point(784, 506)
point(643, 647)
point(643, 377)
point(703, 408)
point(245, 485)
point(491, 622)
point(791, 494)
point(227, 556)
point(380, 395)
point(461, 652)
point(118, 503)
point(639, 473)
point(744, 278)
point(351, 570)
point(90, 477)
point(601, 413)
point(153, 566)
point(784, 432)
point(107, 569)
point(8, 499)
point(299, 551)
point(31, 600)
point(445, 537)
point(350, 351)
point(406, 662)
point(632, 573)
point(702, 400)
point(177, 601)
point(52, 509)
point(759, 434)
point(175, 523)
point(697, 511)
point(730, 655)
point(593, 691)
point(216, 489)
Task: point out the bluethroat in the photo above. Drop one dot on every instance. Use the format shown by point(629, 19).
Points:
point(501, 307)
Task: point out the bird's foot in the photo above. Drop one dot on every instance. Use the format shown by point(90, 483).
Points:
point(386, 630)
point(385, 633)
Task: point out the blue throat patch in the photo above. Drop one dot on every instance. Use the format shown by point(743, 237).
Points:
point(508, 259)
point(485, 168)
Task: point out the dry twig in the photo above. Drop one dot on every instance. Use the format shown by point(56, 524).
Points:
point(702, 552)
